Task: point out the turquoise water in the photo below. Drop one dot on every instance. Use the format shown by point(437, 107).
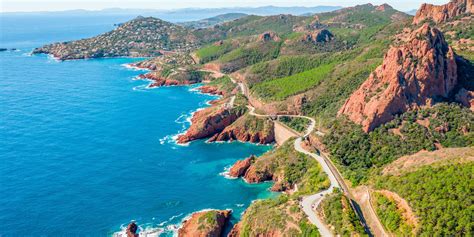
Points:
point(85, 149)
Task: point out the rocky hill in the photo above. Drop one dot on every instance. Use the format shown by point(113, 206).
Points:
point(399, 86)
point(454, 19)
point(205, 224)
point(419, 72)
point(443, 13)
point(140, 37)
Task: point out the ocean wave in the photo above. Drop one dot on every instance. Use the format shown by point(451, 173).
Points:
point(226, 171)
point(129, 66)
point(141, 88)
point(185, 120)
point(169, 226)
point(52, 58)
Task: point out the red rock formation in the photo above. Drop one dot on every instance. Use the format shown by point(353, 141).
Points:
point(211, 90)
point(443, 13)
point(236, 133)
point(248, 129)
point(254, 175)
point(268, 36)
point(318, 36)
point(240, 167)
point(419, 72)
point(132, 230)
point(205, 224)
point(384, 7)
point(158, 81)
point(235, 232)
point(208, 122)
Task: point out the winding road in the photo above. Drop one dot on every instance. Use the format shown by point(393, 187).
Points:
point(311, 202)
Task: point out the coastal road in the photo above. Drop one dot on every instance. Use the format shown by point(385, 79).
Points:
point(310, 203)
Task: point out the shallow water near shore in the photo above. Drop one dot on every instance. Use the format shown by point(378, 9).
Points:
point(83, 152)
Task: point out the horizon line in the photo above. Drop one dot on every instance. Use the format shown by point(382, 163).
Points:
point(184, 8)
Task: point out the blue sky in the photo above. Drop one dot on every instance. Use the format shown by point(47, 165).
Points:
point(56, 5)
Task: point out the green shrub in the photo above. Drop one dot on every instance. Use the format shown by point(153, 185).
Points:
point(390, 216)
point(440, 196)
point(357, 152)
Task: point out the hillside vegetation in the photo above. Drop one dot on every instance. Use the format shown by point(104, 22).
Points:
point(440, 196)
point(357, 152)
point(390, 216)
point(337, 213)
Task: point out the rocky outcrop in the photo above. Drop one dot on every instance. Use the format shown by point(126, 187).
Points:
point(443, 13)
point(256, 174)
point(419, 72)
point(241, 166)
point(158, 81)
point(209, 121)
point(132, 230)
point(235, 231)
point(205, 224)
point(268, 36)
point(248, 129)
point(211, 90)
point(318, 36)
point(384, 7)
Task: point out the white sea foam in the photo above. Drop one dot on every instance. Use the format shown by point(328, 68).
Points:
point(240, 205)
point(52, 58)
point(133, 67)
point(151, 230)
point(141, 88)
point(225, 173)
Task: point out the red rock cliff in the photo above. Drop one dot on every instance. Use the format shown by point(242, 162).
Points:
point(248, 129)
point(209, 121)
point(419, 72)
point(205, 224)
point(241, 166)
point(443, 13)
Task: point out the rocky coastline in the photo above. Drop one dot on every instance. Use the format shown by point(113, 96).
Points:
point(208, 223)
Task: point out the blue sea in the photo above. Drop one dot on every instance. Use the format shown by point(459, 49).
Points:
point(85, 148)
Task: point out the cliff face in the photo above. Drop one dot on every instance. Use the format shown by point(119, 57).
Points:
point(213, 90)
point(158, 81)
point(209, 121)
point(248, 129)
point(443, 13)
point(205, 224)
point(418, 72)
point(241, 166)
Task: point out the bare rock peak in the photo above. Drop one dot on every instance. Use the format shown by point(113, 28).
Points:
point(419, 72)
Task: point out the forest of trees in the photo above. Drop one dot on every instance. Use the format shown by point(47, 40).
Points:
point(357, 152)
point(440, 196)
